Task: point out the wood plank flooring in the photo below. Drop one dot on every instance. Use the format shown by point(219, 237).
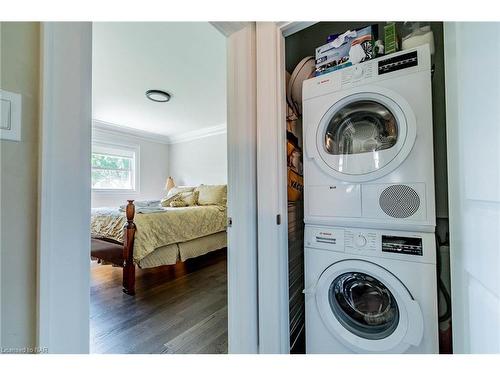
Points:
point(176, 309)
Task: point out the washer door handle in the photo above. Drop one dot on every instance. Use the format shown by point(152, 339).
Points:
point(416, 322)
point(310, 141)
point(309, 292)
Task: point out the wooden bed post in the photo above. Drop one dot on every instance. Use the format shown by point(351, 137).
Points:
point(128, 251)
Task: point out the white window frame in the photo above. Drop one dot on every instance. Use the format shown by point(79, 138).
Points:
point(127, 148)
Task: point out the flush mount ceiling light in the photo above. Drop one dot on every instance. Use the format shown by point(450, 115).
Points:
point(158, 96)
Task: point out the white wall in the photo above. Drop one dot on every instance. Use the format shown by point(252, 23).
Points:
point(473, 131)
point(153, 169)
point(199, 161)
point(19, 53)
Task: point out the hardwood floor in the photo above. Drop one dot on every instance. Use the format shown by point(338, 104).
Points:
point(176, 309)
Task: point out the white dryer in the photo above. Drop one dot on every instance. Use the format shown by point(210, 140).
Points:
point(370, 291)
point(369, 146)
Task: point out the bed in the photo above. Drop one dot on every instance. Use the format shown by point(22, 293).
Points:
point(155, 237)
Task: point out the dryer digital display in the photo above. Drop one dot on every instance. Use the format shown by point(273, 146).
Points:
point(398, 62)
point(402, 245)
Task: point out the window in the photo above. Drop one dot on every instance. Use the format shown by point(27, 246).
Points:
point(114, 167)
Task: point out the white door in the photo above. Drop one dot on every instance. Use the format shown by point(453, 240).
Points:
point(473, 132)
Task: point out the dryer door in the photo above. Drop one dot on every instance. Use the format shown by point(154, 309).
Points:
point(368, 308)
point(365, 135)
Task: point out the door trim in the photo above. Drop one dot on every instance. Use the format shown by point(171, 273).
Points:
point(242, 192)
point(274, 330)
point(64, 187)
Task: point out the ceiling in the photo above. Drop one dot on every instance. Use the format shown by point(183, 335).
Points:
point(186, 59)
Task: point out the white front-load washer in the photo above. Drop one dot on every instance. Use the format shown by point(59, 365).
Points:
point(369, 146)
point(370, 291)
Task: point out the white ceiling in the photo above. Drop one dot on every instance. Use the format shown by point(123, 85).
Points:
point(186, 59)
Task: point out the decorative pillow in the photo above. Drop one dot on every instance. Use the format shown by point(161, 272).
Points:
point(165, 202)
point(178, 204)
point(189, 197)
point(174, 194)
point(179, 189)
point(212, 194)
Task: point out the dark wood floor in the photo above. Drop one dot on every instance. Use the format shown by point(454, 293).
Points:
point(176, 309)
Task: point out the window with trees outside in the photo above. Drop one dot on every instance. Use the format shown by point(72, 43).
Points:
point(114, 168)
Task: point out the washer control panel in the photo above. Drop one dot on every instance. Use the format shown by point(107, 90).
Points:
point(372, 243)
point(325, 238)
point(402, 245)
point(360, 240)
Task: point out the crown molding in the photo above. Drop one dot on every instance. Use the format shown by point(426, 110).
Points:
point(108, 127)
point(228, 28)
point(198, 134)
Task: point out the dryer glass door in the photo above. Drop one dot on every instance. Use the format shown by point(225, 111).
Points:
point(365, 135)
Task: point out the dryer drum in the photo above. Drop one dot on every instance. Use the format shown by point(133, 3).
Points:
point(399, 201)
point(361, 126)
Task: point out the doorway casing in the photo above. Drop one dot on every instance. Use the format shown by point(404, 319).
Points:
point(64, 191)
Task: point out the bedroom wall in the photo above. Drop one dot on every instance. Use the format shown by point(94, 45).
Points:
point(19, 72)
point(199, 161)
point(153, 169)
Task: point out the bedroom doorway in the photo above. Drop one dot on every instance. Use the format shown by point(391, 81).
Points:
point(158, 169)
point(110, 163)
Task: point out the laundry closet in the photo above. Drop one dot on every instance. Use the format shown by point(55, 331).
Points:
point(301, 61)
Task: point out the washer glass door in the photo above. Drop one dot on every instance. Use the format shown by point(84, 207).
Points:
point(364, 305)
point(367, 308)
point(365, 135)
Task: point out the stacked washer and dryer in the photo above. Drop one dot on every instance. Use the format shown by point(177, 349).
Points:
point(369, 210)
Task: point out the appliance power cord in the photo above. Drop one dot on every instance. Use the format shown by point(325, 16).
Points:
point(441, 286)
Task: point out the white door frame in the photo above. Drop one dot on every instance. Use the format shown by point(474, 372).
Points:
point(64, 188)
point(274, 331)
point(64, 191)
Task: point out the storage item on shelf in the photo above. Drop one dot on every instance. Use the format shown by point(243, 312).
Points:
point(294, 163)
point(418, 36)
point(304, 70)
point(390, 38)
point(378, 48)
point(351, 47)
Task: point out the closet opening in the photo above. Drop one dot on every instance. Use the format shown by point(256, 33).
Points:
point(304, 59)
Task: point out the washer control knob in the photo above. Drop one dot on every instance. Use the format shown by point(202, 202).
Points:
point(360, 240)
